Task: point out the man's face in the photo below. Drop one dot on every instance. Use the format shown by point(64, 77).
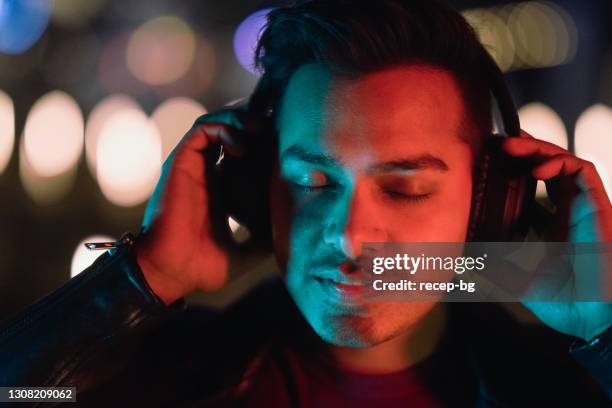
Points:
point(379, 158)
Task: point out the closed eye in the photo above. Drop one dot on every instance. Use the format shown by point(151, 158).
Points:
point(406, 189)
point(311, 188)
point(400, 196)
point(311, 181)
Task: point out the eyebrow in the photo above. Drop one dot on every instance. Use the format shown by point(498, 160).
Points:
point(424, 161)
point(309, 156)
point(420, 162)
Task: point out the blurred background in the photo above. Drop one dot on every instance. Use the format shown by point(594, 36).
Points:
point(95, 93)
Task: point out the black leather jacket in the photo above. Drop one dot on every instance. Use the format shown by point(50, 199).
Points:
point(107, 334)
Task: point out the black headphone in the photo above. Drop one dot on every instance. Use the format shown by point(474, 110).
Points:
point(503, 190)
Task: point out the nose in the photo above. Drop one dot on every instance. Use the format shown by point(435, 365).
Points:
point(357, 224)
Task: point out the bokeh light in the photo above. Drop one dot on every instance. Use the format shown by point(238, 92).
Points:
point(525, 22)
point(53, 135)
point(44, 190)
point(173, 119)
point(7, 129)
point(564, 33)
point(75, 13)
point(22, 23)
point(240, 233)
point(246, 36)
point(96, 120)
point(198, 77)
point(82, 257)
point(128, 158)
point(543, 123)
point(161, 50)
point(113, 72)
point(526, 35)
point(233, 224)
point(493, 34)
point(593, 140)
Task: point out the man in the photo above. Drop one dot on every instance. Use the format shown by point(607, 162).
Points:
point(379, 114)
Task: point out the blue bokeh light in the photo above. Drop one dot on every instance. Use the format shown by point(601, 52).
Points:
point(22, 23)
point(246, 36)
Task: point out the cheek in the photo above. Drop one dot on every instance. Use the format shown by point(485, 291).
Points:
point(297, 224)
point(452, 211)
point(295, 228)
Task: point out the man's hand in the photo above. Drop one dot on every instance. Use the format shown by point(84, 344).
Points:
point(583, 214)
point(178, 254)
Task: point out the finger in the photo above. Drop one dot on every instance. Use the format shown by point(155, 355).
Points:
point(193, 139)
point(559, 164)
point(188, 152)
point(569, 169)
point(525, 147)
point(188, 160)
point(570, 179)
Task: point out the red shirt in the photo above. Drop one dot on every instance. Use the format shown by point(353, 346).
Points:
point(291, 379)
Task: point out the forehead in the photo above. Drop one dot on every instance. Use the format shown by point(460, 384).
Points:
point(404, 109)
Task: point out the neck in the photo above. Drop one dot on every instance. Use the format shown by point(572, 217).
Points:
point(398, 353)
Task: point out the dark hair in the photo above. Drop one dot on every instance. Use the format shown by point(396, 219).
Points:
point(355, 37)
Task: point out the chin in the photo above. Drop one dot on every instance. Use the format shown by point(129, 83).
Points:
point(348, 331)
point(385, 322)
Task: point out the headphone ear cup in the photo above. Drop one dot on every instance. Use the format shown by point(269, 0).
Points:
point(503, 193)
point(243, 187)
point(479, 187)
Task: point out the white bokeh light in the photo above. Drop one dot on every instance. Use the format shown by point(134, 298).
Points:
point(7, 129)
point(128, 158)
point(542, 122)
point(83, 257)
point(96, 120)
point(44, 190)
point(53, 135)
point(593, 140)
point(173, 119)
point(605, 173)
point(240, 233)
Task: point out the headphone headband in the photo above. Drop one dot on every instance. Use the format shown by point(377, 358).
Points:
point(502, 96)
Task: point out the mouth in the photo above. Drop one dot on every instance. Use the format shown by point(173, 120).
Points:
point(352, 288)
point(341, 293)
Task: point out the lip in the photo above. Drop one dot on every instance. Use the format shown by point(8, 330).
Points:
point(342, 294)
point(350, 288)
